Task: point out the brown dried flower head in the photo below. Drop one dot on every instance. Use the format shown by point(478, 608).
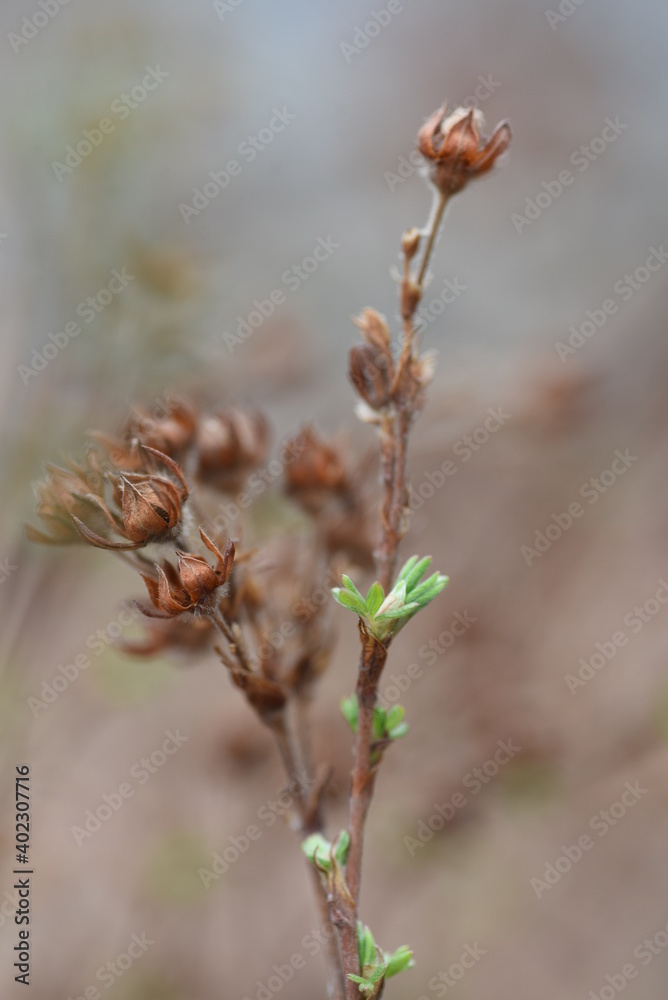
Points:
point(453, 145)
point(229, 445)
point(317, 471)
point(171, 433)
point(62, 496)
point(149, 507)
point(192, 586)
point(370, 365)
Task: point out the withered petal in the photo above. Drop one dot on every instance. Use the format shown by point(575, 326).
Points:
point(166, 599)
point(170, 464)
point(97, 540)
point(496, 145)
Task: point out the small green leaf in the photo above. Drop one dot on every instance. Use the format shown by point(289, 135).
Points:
point(374, 598)
point(350, 711)
point(417, 572)
point(402, 612)
point(350, 586)
point(366, 946)
point(318, 850)
point(426, 592)
point(341, 847)
point(377, 973)
point(397, 732)
point(395, 716)
point(400, 960)
point(365, 986)
point(407, 567)
point(349, 600)
point(379, 722)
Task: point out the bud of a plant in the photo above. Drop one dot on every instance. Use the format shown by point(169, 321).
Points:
point(370, 374)
point(410, 243)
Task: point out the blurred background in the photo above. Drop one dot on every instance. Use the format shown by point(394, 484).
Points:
point(319, 112)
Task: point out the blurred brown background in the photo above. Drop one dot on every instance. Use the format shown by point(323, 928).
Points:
point(330, 173)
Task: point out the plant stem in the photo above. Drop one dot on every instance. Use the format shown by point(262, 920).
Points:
point(397, 420)
point(395, 428)
point(294, 766)
point(372, 662)
point(434, 226)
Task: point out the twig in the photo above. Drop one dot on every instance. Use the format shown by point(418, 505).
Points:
point(434, 226)
point(395, 428)
point(372, 662)
point(293, 764)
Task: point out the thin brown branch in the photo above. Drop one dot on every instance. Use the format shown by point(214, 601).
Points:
point(372, 662)
point(396, 421)
point(434, 226)
point(293, 765)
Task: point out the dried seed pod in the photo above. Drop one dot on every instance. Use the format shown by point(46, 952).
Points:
point(371, 375)
point(230, 444)
point(316, 472)
point(150, 506)
point(453, 145)
point(62, 496)
point(192, 586)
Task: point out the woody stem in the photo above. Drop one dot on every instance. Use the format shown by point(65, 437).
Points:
point(293, 765)
point(394, 433)
point(372, 662)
